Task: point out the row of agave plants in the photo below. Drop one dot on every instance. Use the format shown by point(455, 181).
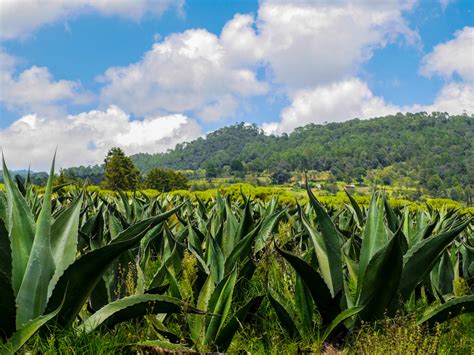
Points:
point(70, 259)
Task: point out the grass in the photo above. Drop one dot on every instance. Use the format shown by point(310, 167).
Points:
point(402, 335)
point(71, 342)
point(399, 335)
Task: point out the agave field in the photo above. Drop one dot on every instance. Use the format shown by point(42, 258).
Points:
point(196, 273)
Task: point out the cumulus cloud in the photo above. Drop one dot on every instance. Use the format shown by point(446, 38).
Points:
point(186, 72)
point(452, 57)
point(19, 18)
point(453, 98)
point(334, 102)
point(350, 98)
point(353, 98)
point(454, 61)
point(85, 138)
point(308, 43)
point(35, 90)
point(300, 44)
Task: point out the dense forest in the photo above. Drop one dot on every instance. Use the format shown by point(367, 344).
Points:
point(435, 151)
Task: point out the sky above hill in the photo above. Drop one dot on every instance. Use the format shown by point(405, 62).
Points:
point(87, 75)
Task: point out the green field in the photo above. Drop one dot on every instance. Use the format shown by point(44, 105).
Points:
point(236, 268)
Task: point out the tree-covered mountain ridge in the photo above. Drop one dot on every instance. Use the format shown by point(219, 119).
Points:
point(433, 146)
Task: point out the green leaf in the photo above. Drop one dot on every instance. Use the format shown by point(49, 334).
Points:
point(316, 285)
point(420, 259)
point(338, 320)
point(219, 306)
point(448, 310)
point(197, 323)
point(7, 298)
point(64, 232)
point(355, 205)
point(80, 278)
point(99, 296)
point(327, 246)
point(126, 206)
point(216, 260)
point(27, 330)
point(174, 288)
point(304, 306)
point(230, 230)
point(446, 274)
point(375, 237)
point(246, 221)
point(227, 332)
point(392, 219)
point(115, 226)
point(269, 223)
point(324, 260)
point(241, 250)
point(33, 295)
point(21, 228)
point(284, 317)
point(194, 240)
point(132, 307)
point(381, 281)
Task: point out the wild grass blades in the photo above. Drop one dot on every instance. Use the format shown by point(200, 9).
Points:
point(397, 335)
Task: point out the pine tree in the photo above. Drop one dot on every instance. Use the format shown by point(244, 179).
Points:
point(120, 172)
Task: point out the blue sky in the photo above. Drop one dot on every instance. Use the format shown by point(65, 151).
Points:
point(147, 74)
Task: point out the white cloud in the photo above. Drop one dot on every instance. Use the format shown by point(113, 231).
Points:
point(353, 98)
point(187, 72)
point(301, 44)
point(270, 128)
point(19, 18)
point(454, 56)
point(453, 98)
point(35, 90)
point(454, 61)
point(349, 98)
point(334, 102)
point(308, 43)
point(7, 62)
point(85, 138)
point(225, 105)
point(243, 45)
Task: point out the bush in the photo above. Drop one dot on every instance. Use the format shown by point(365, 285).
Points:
point(165, 180)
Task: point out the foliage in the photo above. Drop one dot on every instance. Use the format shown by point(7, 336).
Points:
point(280, 177)
point(402, 335)
point(94, 174)
point(41, 280)
point(165, 180)
point(200, 271)
point(120, 172)
point(419, 146)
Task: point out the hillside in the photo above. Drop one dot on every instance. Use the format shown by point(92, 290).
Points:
point(436, 149)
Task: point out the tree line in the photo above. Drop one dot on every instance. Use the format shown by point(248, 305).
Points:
point(120, 173)
point(433, 150)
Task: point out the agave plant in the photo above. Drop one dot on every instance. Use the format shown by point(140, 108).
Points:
point(184, 266)
point(41, 280)
point(223, 240)
point(362, 277)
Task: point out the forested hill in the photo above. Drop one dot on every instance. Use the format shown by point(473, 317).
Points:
point(436, 147)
